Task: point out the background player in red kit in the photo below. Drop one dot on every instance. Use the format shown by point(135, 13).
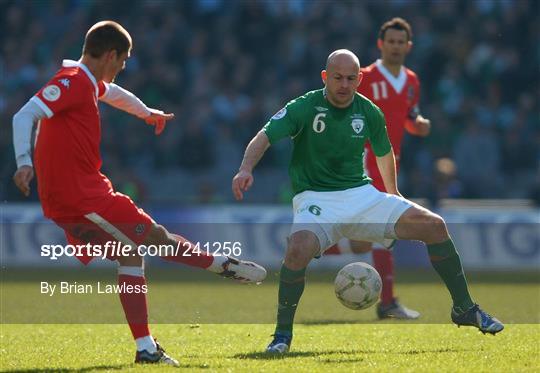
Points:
point(395, 89)
point(78, 197)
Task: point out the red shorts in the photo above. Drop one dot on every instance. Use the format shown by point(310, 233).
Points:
point(121, 221)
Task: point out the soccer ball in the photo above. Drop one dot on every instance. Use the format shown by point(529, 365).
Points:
point(358, 286)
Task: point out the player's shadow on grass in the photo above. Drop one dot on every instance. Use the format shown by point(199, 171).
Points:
point(336, 322)
point(359, 354)
point(119, 367)
point(268, 356)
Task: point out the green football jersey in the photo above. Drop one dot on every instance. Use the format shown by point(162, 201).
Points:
point(328, 142)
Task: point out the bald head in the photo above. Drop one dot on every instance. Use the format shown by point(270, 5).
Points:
point(341, 77)
point(342, 58)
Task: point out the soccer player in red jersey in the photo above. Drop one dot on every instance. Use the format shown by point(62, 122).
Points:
point(79, 198)
point(395, 89)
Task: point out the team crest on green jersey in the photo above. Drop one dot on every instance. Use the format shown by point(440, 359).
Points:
point(280, 114)
point(357, 125)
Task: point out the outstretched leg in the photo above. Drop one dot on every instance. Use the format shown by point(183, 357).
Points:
point(183, 251)
point(418, 223)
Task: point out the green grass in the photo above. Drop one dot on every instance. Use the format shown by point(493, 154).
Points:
point(210, 347)
point(210, 324)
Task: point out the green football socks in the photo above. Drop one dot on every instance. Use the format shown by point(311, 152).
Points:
point(445, 259)
point(291, 287)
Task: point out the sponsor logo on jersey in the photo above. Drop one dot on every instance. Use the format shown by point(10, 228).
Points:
point(320, 108)
point(280, 114)
point(315, 210)
point(51, 92)
point(64, 82)
point(357, 125)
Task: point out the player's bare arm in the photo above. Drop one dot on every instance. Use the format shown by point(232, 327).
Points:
point(387, 168)
point(243, 180)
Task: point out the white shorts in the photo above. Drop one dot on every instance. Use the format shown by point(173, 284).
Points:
point(362, 214)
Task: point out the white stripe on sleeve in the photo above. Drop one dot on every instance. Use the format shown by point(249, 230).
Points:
point(43, 106)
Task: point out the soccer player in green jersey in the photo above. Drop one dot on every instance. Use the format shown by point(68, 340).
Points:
point(334, 198)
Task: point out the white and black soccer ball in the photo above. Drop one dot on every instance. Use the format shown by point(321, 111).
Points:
point(358, 286)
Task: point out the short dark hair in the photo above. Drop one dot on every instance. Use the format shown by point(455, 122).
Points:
point(396, 23)
point(105, 36)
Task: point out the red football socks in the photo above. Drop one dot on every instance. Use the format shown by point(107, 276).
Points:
point(134, 303)
point(383, 262)
point(186, 254)
point(333, 250)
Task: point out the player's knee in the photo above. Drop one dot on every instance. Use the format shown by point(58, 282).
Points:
point(433, 228)
point(296, 257)
point(157, 235)
point(301, 249)
point(438, 227)
point(421, 224)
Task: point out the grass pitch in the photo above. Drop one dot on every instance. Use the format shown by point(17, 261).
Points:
point(331, 347)
point(215, 325)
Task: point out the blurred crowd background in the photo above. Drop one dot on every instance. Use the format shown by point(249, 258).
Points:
point(224, 67)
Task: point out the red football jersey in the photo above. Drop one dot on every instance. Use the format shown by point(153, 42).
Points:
point(397, 98)
point(66, 157)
